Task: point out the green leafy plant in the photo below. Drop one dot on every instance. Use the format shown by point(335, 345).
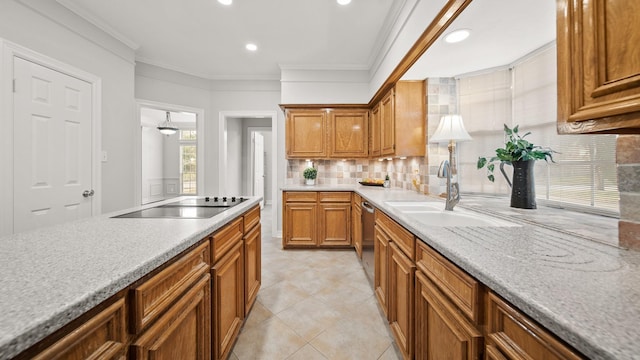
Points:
point(515, 149)
point(386, 177)
point(310, 173)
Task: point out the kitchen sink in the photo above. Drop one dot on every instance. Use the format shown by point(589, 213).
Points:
point(433, 214)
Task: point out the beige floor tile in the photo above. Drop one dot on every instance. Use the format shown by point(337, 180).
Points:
point(281, 296)
point(307, 353)
point(351, 339)
point(309, 318)
point(313, 304)
point(271, 339)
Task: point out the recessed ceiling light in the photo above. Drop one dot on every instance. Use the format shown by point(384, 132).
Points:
point(225, 2)
point(343, 2)
point(251, 47)
point(457, 35)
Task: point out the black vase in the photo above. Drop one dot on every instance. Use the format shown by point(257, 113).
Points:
point(523, 193)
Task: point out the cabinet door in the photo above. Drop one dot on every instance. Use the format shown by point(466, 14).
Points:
point(104, 337)
point(335, 225)
point(306, 134)
point(300, 225)
point(388, 124)
point(401, 299)
point(441, 331)
point(374, 132)
point(228, 301)
point(348, 133)
point(356, 232)
point(381, 268)
point(183, 332)
point(252, 266)
point(598, 65)
point(514, 336)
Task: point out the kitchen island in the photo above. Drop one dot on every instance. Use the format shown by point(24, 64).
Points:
point(53, 275)
point(580, 289)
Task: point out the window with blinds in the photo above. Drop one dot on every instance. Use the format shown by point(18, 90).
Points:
point(583, 175)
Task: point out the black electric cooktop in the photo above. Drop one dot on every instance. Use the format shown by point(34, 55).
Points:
point(196, 208)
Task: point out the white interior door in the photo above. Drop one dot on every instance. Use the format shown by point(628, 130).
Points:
point(52, 147)
point(258, 166)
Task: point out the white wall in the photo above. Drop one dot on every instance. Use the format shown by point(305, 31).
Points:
point(233, 172)
point(50, 29)
point(152, 164)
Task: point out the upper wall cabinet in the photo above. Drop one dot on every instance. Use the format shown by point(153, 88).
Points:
point(306, 131)
point(598, 66)
point(327, 133)
point(402, 118)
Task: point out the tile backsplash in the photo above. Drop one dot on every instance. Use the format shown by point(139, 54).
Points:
point(628, 159)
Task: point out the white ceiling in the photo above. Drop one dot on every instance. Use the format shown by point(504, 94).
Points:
point(501, 32)
point(207, 39)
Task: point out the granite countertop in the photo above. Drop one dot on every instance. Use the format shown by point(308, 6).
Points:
point(565, 274)
point(52, 275)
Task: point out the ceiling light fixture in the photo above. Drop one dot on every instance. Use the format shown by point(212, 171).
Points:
point(343, 2)
point(225, 2)
point(457, 35)
point(166, 127)
point(251, 47)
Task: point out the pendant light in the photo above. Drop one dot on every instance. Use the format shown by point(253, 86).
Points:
point(166, 127)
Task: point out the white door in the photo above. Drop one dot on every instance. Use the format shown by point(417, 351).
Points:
point(52, 147)
point(258, 166)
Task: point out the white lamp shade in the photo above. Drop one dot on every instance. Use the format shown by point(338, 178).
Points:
point(450, 127)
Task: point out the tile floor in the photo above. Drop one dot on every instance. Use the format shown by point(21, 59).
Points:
point(313, 304)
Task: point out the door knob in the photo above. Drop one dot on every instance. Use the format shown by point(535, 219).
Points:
point(88, 193)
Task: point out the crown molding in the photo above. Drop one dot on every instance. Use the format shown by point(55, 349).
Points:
point(97, 22)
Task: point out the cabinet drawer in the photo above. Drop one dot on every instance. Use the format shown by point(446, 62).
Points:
point(251, 218)
point(403, 238)
point(357, 200)
point(104, 336)
point(300, 196)
point(513, 334)
point(226, 238)
point(462, 289)
point(334, 196)
point(157, 294)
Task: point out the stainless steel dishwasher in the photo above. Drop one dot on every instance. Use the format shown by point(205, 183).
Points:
point(368, 223)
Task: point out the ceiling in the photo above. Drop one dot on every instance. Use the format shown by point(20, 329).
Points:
point(206, 39)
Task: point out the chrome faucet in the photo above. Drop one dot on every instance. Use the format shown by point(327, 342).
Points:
point(453, 189)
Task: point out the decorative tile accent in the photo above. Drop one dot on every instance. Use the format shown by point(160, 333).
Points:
point(628, 149)
point(629, 234)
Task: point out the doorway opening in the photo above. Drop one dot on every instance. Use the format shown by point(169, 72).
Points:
point(237, 150)
point(170, 165)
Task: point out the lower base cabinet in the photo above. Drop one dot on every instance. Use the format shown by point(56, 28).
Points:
point(401, 300)
point(512, 335)
point(183, 332)
point(441, 331)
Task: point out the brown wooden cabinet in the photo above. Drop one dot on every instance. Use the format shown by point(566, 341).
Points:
point(319, 133)
point(374, 132)
point(356, 223)
point(442, 332)
point(183, 331)
point(513, 335)
point(401, 299)
point(598, 66)
point(228, 298)
point(381, 268)
point(104, 336)
point(300, 219)
point(306, 133)
point(316, 219)
point(348, 133)
point(402, 118)
point(252, 257)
